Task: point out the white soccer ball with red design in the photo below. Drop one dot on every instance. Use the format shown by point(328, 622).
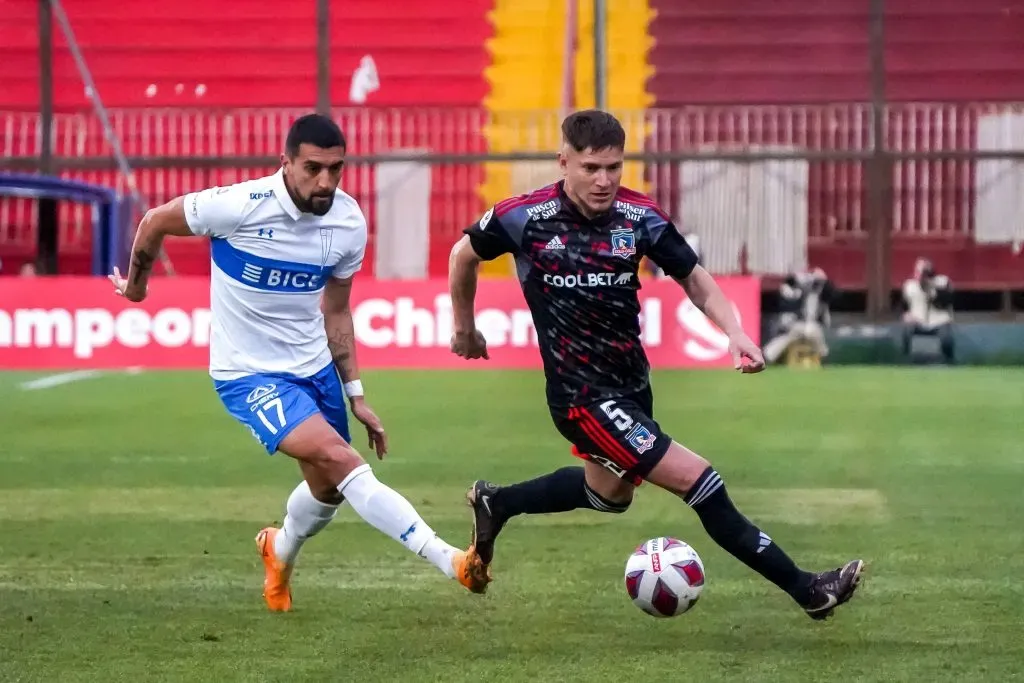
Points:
point(664, 577)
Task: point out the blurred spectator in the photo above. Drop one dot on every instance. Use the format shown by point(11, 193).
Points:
point(928, 308)
point(804, 316)
point(28, 269)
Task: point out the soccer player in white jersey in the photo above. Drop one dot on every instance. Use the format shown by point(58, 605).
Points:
point(285, 249)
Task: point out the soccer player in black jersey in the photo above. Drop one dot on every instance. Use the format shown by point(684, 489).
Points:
point(577, 246)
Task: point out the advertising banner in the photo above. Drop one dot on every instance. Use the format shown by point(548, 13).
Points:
point(71, 323)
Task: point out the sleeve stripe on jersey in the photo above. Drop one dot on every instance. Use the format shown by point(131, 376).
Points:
point(541, 195)
point(640, 199)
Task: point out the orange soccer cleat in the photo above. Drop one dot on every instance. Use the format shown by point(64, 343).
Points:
point(276, 590)
point(471, 571)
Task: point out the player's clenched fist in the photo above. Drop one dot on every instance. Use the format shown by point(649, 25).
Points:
point(470, 345)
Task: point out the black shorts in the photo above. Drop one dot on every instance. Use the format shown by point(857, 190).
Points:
point(618, 433)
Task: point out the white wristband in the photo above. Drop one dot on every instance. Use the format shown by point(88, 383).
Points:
point(354, 388)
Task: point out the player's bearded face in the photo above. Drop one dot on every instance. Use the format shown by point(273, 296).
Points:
point(312, 177)
point(592, 178)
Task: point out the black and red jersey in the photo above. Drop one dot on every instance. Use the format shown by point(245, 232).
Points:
point(580, 280)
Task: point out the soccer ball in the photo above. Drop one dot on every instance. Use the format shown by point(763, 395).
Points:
point(664, 577)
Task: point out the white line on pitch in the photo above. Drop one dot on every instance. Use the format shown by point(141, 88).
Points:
point(57, 380)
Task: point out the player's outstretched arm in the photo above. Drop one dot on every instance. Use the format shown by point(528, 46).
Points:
point(168, 219)
point(670, 251)
point(463, 272)
point(341, 339)
point(706, 295)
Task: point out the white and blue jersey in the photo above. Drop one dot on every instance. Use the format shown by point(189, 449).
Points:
point(269, 357)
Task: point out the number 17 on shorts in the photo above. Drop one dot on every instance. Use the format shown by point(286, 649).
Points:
point(277, 407)
point(269, 407)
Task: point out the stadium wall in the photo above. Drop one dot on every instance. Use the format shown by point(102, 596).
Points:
point(157, 59)
point(747, 52)
point(180, 54)
point(976, 343)
point(527, 98)
point(428, 56)
point(791, 51)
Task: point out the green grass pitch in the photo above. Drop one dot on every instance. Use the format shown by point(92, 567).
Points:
point(129, 503)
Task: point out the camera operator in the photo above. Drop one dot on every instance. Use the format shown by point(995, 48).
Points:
point(804, 317)
point(928, 308)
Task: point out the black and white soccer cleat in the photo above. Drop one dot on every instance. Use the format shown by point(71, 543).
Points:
point(832, 588)
point(487, 520)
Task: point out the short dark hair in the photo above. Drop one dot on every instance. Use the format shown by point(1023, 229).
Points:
point(594, 129)
point(313, 129)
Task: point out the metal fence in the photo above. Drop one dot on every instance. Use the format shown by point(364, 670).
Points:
point(791, 174)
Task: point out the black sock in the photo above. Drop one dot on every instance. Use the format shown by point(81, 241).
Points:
point(560, 491)
point(744, 541)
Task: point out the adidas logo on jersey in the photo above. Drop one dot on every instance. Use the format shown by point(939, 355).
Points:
point(555, 243)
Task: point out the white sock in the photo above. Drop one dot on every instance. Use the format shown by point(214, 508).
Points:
point(386, 509)
point(305, 517)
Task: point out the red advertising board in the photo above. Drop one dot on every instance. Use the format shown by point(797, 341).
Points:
point(65, 322)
